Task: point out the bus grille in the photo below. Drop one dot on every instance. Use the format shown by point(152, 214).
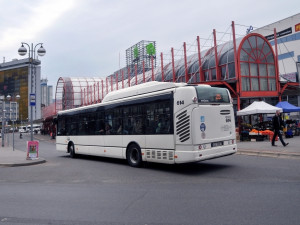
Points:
point(161, 155)
point(183, 126)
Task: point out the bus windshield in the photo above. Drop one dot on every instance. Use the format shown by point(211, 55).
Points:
point(206, 94)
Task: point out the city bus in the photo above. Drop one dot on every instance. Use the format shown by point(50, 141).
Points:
point(152, 122)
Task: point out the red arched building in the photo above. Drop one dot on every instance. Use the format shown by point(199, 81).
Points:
point(247, 66)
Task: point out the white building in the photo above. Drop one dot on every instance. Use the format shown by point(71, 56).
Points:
point(288, 48)
point(46, 93)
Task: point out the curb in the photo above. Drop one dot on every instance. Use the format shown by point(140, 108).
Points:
point(292, 155)
point(25, 163)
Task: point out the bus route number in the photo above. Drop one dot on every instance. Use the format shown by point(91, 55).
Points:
point(180, 102)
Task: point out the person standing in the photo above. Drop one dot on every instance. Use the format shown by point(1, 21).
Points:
point(277, 126)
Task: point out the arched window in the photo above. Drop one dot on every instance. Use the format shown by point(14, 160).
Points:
point(257, 65)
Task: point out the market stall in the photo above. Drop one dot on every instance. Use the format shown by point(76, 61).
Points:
point(292, 126)
point(258, 107)
point(261, 131)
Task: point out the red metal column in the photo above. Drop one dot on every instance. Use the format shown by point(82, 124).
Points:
point(90, 95)
point(173, 65)
point(102, 89)
point(237, 73)
point(200, 63)
point(216, 56)
point(117, 81)
point(98, 92)
point(162, 67)
point(94, 93)
point(106, 84)
point(122, 79)
point(276, 66)
point(111, 83)
point(128, 77)
point(81, 96)
point(152, 68)
point(87, 94)
point(144, 71)
point(135, 71)
point(185, 63)
point(84, 102)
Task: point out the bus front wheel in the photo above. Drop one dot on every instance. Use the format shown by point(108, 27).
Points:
point(134, 156)
point(72, 151)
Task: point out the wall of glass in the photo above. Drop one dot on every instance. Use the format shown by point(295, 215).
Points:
point(257, 65)
point(14, 82)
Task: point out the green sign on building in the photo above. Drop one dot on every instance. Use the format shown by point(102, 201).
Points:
point(135, 52)
point(150, 49)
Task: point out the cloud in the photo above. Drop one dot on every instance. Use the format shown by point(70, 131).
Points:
point(24, 22)
point(86, 37)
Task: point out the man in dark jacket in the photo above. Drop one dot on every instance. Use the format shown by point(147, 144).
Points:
point(277, 126)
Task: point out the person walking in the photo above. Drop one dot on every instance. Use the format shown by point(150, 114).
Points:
point(277, 126)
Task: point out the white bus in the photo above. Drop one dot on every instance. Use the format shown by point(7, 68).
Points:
point(154, 122)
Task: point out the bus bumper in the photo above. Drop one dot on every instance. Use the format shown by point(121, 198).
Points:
point(200, 155)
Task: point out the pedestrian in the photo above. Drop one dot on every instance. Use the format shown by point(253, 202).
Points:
point(277, 127)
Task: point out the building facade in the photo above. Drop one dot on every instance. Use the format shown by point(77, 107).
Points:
point(288, 49)
point(249, 66)
point(15, 79)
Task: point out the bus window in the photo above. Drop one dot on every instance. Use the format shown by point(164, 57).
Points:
point(61, 126)
point(100, 123)
point(128, 121)
point(212, 95)
point(150, 120)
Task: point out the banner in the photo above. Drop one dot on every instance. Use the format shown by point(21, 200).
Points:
point(279, 34)
point(32, 149)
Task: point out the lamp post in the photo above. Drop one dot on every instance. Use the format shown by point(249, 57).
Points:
point(2, 98)
point(31, 55)
point(3, 119)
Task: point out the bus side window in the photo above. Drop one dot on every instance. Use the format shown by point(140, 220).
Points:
point(150, 120)
point(138, 125)
point(101, 127)
point(61, 126)
point(100, 124)
point(127, 120)
point(90, 124)
point(73, 128)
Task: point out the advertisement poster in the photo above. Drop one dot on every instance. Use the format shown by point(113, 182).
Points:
point(32, 149)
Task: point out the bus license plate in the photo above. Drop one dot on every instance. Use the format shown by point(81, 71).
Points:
point(216, 144)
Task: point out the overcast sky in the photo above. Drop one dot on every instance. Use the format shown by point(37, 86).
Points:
point(87, 38)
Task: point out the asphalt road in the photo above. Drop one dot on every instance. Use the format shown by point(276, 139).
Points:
point(237, 189)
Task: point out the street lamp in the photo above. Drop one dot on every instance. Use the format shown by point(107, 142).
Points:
point(2, 98)
point(3, 119)
point(31, 55)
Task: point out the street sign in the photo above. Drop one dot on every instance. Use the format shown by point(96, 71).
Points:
point(32, 99)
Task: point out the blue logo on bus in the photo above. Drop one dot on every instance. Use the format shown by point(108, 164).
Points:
point(202, 127)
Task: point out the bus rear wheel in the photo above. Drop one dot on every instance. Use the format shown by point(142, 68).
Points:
point(134, 156)
point(72, 151)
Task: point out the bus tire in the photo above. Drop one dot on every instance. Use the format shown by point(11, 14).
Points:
point(134, 155)
point(72, 151)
